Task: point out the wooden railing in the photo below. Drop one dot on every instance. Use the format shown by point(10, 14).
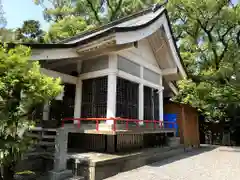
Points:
point(156, 123)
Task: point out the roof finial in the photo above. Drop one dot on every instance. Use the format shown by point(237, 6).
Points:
point(158, 5)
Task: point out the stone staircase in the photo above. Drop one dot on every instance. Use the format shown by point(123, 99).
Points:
point(42, 153)
point(39, 158)
point(46, 142)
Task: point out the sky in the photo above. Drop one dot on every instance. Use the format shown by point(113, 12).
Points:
point(16, 11)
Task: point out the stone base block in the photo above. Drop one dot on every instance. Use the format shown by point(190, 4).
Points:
point(174, 142)
point(76, 178)
point(62, 175)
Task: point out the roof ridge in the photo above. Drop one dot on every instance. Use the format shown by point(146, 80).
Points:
point(113, 23)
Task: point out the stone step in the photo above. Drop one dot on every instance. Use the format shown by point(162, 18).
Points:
point(49, 136)
point(42, 147)
point(44, 129)
point(174, 141)
point(76, 178)
point(46, 143)
point(61, 175)
point(32, 154)
point(33, 135)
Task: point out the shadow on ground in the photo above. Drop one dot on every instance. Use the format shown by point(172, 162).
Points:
point(187, 154)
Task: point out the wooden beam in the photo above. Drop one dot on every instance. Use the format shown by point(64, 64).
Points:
point(169, 71)
point(106, 41)
point(62, 62)
point(54, 54)
point(105, 50)
point(173, 48)
point(173, 88)
point(64, 77)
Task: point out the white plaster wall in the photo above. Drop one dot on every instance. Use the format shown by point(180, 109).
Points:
point(145, 52)
point(142, 55)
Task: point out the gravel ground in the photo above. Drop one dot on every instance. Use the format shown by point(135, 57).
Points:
point(207, 163)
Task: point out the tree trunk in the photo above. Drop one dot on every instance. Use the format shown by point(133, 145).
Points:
point(8, 172)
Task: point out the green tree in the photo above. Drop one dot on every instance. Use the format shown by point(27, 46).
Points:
point(65, 28)
point(208, 34)
point(3, 21)
point(74, 16)
point(55, 10)
point(91, 10)
point(7, 35)
point(22, 86)
point(30, 32)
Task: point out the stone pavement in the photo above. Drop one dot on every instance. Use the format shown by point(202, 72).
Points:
point(207, 163)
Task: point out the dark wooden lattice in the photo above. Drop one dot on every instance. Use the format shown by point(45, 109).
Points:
point(94, 97)
point(156, 104)
point(127, 99)
point(151, 104)
point(148, 112)
point(60, 109)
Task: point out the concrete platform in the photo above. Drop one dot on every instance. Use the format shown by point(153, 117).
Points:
point(97, 166)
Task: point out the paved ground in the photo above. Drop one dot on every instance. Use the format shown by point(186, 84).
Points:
point(209, 163)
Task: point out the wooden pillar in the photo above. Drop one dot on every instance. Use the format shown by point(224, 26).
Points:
point(111, 141)
point(141, 98)
point(46, 111)
point(161, 113)
point(112, 86)
point(198, 136)
point(78, 100)
point(184, 129)
point(78, 94)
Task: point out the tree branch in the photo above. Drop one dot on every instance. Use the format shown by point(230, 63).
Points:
point(225, 44)
point(177, 37)
point(94, 11)
point(211, 40)
point(238, 37)
point(210, 18)
point(116, 10)
point(110, 6)
point(223, 52)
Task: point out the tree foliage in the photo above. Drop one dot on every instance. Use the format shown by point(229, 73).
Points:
point(7, 35)
point(55, 10)
point(3, 20)
point(21, 87)
point(208, 33)
point(69, 16)
point(30, 32)
point(67, 27)
point(96, 12)
point(91, 10)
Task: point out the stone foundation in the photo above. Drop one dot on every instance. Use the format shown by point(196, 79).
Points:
point(98, 166)
point(60, 175)
point(173, 141)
